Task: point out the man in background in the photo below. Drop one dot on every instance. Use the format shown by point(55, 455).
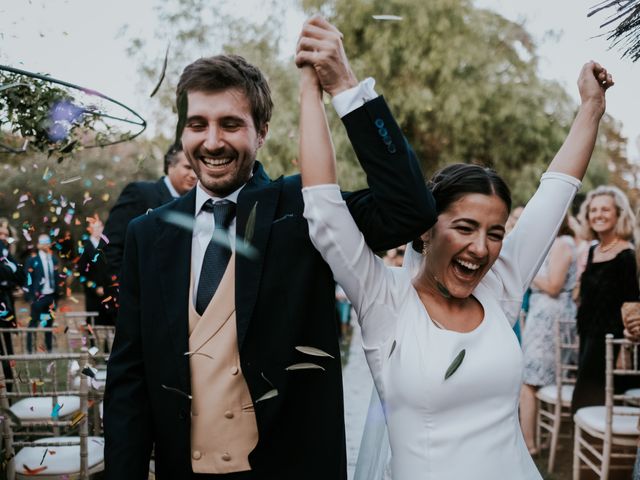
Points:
point(94, 275)
point(138, 197)
point(42, 288)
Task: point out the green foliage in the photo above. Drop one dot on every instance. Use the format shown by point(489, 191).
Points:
point(462, 82)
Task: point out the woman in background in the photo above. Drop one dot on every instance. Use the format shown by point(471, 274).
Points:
point(609, 280)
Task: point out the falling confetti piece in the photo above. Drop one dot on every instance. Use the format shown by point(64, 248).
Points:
point(316, 352)
point(304, 366)
point(89, 372)
point(93, 351)
point(73, 299)
point(198, 353)
point(77, 418)
point(70, 180)
point(46, 450)
point(162, 73)
point(55, 413)
point(387, 17)
point(175, 390)
point(455, 364)
point(34, 471)
point(268, 395)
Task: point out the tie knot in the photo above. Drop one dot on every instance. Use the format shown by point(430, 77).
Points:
point(223, 212)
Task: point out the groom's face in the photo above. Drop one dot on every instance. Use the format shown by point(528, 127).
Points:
point(220, 139)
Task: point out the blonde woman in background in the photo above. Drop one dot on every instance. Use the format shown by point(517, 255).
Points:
point(609, 279)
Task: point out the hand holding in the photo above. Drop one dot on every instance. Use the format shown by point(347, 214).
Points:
point(593, 81)
point(320, 46)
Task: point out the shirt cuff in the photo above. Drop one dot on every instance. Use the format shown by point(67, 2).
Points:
point(353, 98)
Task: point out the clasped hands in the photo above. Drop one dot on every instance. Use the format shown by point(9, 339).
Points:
point(321, 58)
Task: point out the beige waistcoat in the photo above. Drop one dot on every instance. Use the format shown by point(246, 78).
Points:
point(223, 422)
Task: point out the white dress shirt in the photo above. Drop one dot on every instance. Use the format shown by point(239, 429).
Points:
point(47, 263)
point(174, 193)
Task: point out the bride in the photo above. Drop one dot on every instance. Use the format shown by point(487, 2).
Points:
point(437, 335)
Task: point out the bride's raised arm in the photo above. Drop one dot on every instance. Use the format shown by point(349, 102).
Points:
point(317, 158)
point(575, 153)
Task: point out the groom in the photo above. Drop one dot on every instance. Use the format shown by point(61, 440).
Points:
point(229, 364)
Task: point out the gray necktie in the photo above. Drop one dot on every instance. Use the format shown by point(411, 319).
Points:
point(216, 257)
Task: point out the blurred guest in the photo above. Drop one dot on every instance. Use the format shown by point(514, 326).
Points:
point(42, 288)
point(550, 301)
point(138, 197)
point(609, 280)
point(11, 276)
point(94, 275)
point(631, 323)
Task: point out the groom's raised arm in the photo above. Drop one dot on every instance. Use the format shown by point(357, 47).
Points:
point(397, 207)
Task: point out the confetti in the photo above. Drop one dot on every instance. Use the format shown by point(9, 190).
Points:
point(304, 366)
point(175, 390)
point(34, 471)
point(55, 413)
point(455, 364)
point(70, 180)
point(392, 18)
point(314, 351)
point(268, 395)
point(77, 418)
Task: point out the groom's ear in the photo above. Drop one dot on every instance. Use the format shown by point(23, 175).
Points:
point(262, 134)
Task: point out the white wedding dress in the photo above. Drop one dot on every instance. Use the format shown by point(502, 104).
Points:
point(466, 426)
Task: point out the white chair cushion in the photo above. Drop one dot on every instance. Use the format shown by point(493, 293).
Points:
point(549, 394)
point(594, 418)
point(66, 460)
point(634, 392)
point(41, 408)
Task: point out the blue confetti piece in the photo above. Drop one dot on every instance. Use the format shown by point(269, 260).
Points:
point(55, 413)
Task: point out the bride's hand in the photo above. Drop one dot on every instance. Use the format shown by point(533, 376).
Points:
point(593, 81)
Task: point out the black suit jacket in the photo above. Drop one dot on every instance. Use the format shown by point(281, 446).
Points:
point(136, 198)
point(284, 299)
point(34, 277)
point(94, 273)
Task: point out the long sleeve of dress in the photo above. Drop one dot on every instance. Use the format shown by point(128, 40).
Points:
point(526, 247)
point(370, 285)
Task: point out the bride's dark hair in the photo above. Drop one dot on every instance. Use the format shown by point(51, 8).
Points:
point(453, 182)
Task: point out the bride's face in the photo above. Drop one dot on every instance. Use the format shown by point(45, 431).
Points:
point(465, 242)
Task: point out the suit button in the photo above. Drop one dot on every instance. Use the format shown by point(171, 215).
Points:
point(226, 457)
point(196, 455)
point(392, 148)
point(234, 370)
point(383, 132)
point(379, 122)
point(228, 414)
point(182, 414)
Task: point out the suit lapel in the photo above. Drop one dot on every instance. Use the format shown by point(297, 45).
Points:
point(261, 190)
point(173, 248)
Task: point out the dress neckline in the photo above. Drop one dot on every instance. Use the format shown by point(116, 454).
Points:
point(446, 331)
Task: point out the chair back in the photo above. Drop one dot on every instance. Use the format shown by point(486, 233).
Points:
point(566, 354)
point(43, 376)
point(625, 364)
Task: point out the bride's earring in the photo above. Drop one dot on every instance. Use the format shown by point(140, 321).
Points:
point(426, 248)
